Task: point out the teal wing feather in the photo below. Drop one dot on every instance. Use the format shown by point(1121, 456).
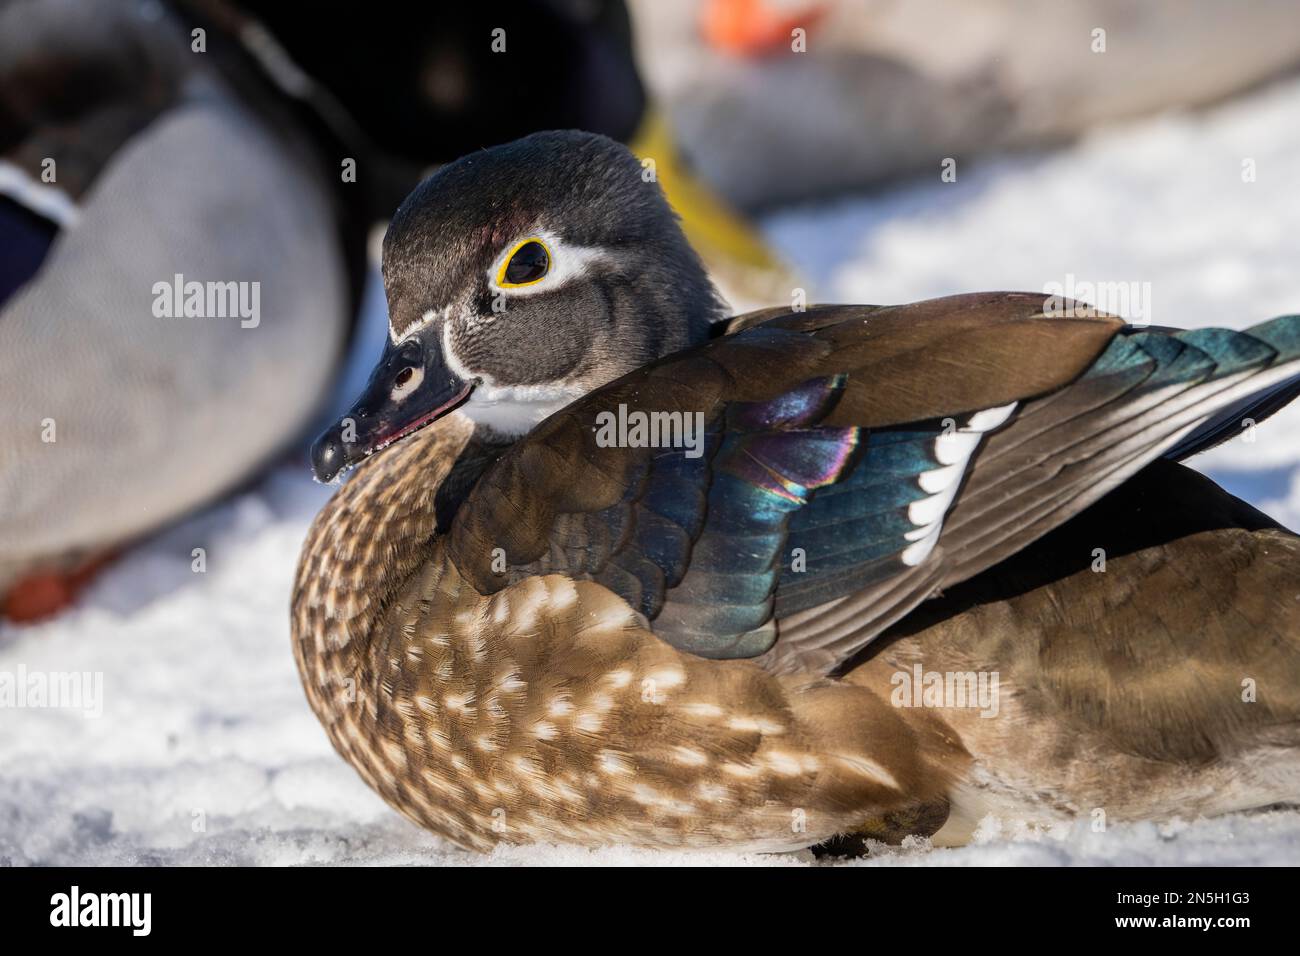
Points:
point(1268, 344)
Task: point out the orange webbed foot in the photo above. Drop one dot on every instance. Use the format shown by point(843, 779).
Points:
point(42, 594)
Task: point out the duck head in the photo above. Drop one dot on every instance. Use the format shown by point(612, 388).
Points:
point(519, 279)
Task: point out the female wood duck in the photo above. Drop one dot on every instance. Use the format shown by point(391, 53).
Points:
point(604, 576)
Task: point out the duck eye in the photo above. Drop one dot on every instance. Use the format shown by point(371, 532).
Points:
point(529, 263)
point(405, 382)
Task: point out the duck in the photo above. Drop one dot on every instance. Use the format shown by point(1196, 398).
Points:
point(609, 567)
point(849, 95)
point(129, 164)
point(276, 108)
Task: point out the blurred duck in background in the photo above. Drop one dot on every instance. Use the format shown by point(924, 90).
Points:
point(130, 160)
point(186, 192)
point(885, 88)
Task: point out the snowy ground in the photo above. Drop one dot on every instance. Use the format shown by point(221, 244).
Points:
point(206, 751)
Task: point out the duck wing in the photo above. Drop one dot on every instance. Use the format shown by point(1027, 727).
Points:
point(853, 460)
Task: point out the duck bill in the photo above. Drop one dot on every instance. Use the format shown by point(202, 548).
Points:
point(409, 388)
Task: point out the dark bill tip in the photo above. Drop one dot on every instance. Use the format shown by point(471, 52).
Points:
point(328, 457)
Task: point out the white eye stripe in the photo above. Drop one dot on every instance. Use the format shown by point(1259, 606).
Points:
point(568, 261)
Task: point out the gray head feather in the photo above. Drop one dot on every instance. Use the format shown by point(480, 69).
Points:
point(644, 295)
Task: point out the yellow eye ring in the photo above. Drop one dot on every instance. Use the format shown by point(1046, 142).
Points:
point(529, 265)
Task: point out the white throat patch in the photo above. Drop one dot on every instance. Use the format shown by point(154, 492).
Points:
point(516, 410)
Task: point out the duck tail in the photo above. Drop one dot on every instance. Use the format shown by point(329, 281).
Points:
point(1244, 376)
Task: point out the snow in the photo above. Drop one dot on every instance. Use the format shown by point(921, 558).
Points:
point(206, 751)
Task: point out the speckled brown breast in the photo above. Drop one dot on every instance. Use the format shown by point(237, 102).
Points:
point(547, 712)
